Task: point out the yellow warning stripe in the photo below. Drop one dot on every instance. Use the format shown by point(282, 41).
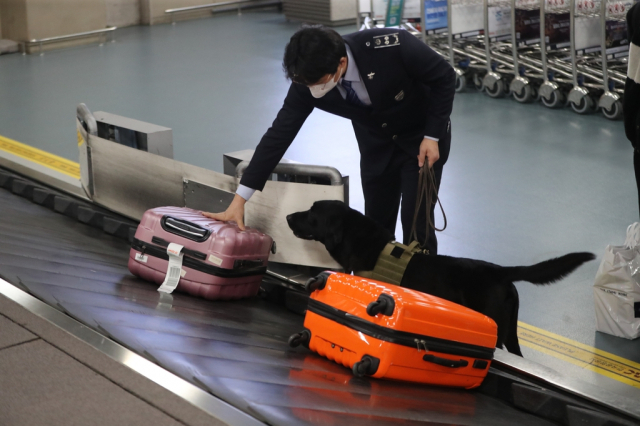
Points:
point(59, 164)
point(583, 356)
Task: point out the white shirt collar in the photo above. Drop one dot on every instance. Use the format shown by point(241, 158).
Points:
point(352, 73)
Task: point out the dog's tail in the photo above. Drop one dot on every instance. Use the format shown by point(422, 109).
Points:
point(549, 271)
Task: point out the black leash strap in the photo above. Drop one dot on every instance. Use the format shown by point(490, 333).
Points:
point(427, 189)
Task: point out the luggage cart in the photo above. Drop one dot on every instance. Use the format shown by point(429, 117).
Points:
point(499, 65)
point(594, 77)
point(525, 36)
point(437, 35)
point(465, 47)
point(556, 74)
point(613, 36)
point(581, 97)
point(437, 19)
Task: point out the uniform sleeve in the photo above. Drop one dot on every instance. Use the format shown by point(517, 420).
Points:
point(631, 101)
point(277, 139)
point(425, 65)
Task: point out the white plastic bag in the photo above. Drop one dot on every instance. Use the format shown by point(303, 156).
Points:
point(617, 288)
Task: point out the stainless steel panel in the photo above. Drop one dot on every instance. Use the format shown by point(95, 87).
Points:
point(202, 197)
point(232, 159)
point(308, 170)
point(158, 139)
point(129, 182)
point(85, 125)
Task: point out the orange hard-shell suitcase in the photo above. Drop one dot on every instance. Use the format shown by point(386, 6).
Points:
point(386, 331)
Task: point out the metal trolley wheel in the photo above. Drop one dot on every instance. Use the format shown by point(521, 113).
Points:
point(555, 100)
point(584, 106)
point(526, 94)
point(613, 113)
point(477, 81)
point(461, 83)
point(497, 91)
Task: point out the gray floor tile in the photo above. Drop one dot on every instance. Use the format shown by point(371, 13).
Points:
point(115, 372)
point(43, 386)
point(12, 334)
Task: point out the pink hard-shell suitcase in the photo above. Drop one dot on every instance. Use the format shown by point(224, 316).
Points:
point(220, 261)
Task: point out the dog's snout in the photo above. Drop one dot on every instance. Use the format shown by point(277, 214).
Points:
point(289, 218)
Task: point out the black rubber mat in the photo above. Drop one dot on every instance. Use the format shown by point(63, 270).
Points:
point(236, 350)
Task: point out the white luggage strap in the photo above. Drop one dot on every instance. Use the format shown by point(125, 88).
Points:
point(174, 271)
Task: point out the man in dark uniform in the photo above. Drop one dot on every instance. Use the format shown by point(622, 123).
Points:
point(631, 105)
point(397, 92)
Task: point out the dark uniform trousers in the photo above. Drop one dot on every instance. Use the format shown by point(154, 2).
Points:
point(396, 188)
point(411, 88)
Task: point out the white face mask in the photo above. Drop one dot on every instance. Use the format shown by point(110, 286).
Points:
point(319, 90)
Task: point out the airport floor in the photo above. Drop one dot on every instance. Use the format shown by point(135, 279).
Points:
point(523, 183)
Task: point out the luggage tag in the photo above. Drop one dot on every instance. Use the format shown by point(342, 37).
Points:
point(165, 301)
point(174, 271)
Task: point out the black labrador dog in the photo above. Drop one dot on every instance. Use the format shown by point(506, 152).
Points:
point(355, 242)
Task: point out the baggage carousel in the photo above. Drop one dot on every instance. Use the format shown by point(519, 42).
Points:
point(72, 255)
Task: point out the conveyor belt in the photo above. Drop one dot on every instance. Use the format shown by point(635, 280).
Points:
point(236, 350)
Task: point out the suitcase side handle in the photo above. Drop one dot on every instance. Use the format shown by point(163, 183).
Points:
point(445, 362)
point(185, 229)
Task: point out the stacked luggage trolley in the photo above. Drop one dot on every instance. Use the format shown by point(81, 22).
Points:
point(561, 52)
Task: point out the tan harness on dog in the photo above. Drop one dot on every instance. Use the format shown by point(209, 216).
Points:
point(395, 257)
point(392, 263)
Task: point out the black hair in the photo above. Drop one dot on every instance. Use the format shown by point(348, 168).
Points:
point(313, 52)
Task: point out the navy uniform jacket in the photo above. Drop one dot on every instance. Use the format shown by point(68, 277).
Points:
point(411, 90)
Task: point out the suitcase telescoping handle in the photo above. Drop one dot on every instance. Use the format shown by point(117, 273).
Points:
point(185, 229)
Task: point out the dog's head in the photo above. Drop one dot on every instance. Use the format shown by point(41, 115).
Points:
point(323, 222)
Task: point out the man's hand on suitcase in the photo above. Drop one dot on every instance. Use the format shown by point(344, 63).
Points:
point(428, 149)
point(235, 212)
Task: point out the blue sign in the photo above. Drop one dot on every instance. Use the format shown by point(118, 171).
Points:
point(436, 13)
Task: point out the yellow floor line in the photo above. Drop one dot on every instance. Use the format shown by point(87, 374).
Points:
point(605, 363)
point(59, 164)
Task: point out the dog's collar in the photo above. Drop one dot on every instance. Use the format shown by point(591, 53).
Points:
point(392, 263)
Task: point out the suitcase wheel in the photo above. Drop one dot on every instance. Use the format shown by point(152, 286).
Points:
point(316, 283)
point(384, 305)
point(301, 338)
point(367, 366)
